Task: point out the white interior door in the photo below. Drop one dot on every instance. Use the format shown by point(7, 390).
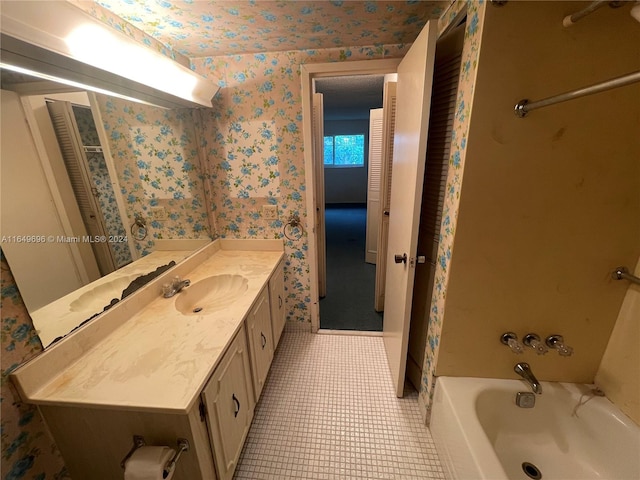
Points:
point(415, 78)
point(374, 178)
point(318, 165)
point(388, 129)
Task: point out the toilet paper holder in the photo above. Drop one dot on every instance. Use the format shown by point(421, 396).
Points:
point(138, 441)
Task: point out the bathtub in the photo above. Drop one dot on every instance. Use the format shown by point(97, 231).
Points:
point(480, 433)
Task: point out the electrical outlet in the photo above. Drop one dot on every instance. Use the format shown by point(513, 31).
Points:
point(158, 213)
point(270, 212)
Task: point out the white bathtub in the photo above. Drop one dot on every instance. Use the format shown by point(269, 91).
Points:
point(480, 433)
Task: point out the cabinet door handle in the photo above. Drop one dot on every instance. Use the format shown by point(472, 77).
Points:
point(279, 301)
point(264, 340)
point(237, 404)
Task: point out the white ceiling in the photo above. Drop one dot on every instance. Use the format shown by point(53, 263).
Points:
point(350, 97)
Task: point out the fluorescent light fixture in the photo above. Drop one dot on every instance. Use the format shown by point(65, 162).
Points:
point(71, 83)
point(58, 41)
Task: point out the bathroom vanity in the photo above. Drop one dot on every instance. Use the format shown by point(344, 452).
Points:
point(187, 367)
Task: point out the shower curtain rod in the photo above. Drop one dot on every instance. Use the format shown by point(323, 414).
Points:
point(573, 18)
point(622, 273)
point(524, 106)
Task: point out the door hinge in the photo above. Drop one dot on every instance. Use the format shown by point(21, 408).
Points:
point(203, 411)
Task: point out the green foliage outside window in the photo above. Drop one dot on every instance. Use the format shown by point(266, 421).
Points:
point(344, 150)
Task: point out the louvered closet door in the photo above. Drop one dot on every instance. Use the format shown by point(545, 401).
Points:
point(68, 136)
point(374, 178)
point(443, 104)
point(388, 129)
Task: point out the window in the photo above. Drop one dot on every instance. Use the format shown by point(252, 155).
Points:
point(344, 150)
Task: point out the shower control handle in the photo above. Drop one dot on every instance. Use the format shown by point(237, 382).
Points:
point(400, 258)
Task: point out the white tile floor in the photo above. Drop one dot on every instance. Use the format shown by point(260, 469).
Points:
point(328, 411)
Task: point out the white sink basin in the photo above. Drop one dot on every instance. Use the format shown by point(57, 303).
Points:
point(211, 294)
point(99, 296)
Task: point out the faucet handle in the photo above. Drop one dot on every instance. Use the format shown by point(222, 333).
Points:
point(167, 290)
point(557, 342)
point(511, 340)
point(533, 340)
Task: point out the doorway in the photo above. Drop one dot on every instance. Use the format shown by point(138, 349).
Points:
point(348, 105)
point(310, 74)
point(417, 339)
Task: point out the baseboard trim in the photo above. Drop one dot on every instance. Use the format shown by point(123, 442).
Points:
point(361, 333)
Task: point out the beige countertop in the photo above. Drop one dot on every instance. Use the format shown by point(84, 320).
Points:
point(157, 359)
point(60, 317)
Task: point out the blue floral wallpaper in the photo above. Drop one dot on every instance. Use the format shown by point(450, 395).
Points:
point(261, 98)
point(157, 158)
point(229, 27)
point(107, 201)
point(27, 450)
point(126, 28)
point(251, 148)
point(254, 149)
point(470, 52)
point(86, 125)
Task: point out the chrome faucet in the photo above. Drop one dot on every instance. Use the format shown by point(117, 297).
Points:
point(533, 340)
point(557, 342)
point(176, 285)
point(525, 372)
point(511, 340)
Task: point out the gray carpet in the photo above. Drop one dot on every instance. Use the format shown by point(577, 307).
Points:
point(349, 304)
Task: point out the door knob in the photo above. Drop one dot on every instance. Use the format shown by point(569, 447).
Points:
point(400, 258)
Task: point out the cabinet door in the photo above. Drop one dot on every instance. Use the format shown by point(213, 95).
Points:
point(229, 401)
point(260, 341)
point(276, 297)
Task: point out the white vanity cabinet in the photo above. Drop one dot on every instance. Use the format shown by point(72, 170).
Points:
point(260, 341)
point(148, 369)
point(93, 441)
point(228, 405)
point(276, 299)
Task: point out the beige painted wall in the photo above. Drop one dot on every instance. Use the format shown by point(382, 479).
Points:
point(550, 204)
point(619, 372)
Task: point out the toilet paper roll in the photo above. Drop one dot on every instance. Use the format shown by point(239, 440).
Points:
point(147, 463)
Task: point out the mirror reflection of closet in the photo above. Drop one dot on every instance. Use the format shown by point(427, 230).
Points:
point(91, 182)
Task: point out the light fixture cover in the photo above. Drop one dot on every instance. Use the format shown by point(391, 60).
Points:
point(635, 11)
point(59, 40)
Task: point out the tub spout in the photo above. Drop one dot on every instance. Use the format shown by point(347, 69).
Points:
point(525, 372)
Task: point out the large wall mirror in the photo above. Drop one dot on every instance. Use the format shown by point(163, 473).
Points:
point(96, 192)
